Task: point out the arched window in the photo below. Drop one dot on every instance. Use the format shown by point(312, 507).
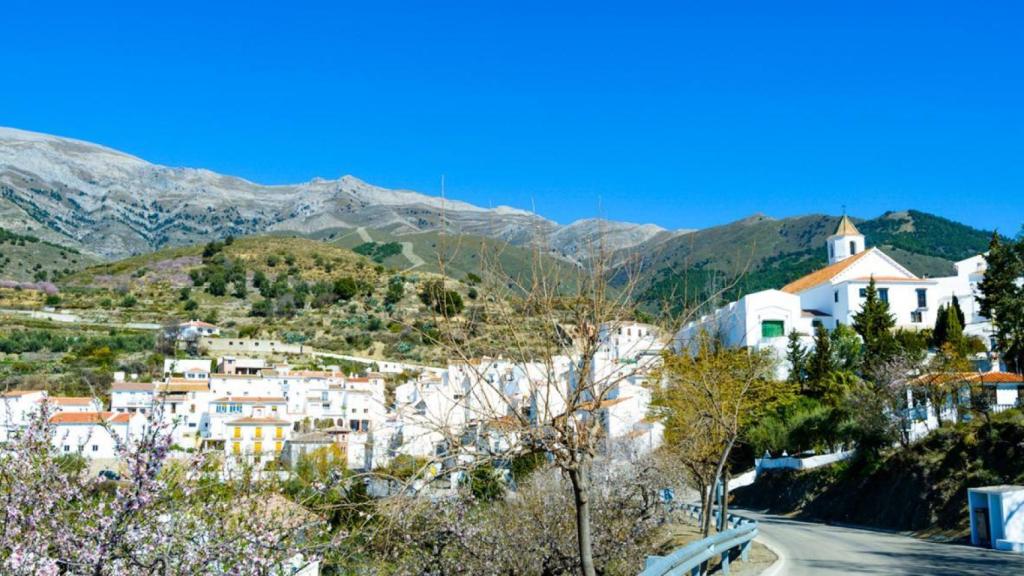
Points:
point(853, 247)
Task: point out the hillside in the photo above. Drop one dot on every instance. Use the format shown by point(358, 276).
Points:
point(26, 258)
point(922, 487)
point(760, 252)
point(459, 255)
point(113, 205)
point(292, 289)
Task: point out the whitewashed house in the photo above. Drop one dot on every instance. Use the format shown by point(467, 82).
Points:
point(834, 294)
point(132, 397)
point(16, 409)
point(1003, 391)
point(257, 438)
point(74, 404)
point(179, 366)
point(195, 329)
point(234, 365)
point(94, 435)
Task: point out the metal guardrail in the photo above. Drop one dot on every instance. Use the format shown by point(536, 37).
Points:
point(690, 558)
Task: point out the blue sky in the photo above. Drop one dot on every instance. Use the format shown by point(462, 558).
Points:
point(683, 114)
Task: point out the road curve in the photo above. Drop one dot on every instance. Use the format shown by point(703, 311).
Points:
point(811, 549)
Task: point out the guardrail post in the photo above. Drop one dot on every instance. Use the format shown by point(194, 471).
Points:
point(745, 551)
point(725, 562)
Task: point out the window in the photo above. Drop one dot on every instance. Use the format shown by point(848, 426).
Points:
point(236, 447)
point(238, 432)
point(95, 448)
point(916, 317)
point(773, 328)
point(353, 425)
point(883, 294)
point(853, 247)
point(277, 446)
point(922, 297)
point(279, 432)
point(831, 251)
point(257, 446)
point(258, 433)
point(835, 296)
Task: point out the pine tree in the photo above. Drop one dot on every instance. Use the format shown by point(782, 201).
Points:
point(874, 323)
point(1002, 299)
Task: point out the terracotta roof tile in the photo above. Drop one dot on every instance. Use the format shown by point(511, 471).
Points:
point(132, 387)
point(975, 377)
point(819, 277)
point(81, 417)
point(70, 400)
point(254, 420)
point(18, 393)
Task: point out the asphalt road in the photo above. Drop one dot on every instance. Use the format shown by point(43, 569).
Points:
point(810, 549)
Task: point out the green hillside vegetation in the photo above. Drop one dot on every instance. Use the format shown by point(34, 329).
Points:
point(24, 257)
point(296, 290)
point(70, 360)
point(459, 255)
point(761, 253)
point(378, 252)
point(922, 487)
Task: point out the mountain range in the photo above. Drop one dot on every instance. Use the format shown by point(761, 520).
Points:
point(111, 204)
point(103, 204)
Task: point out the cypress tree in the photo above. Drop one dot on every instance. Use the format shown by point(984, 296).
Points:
point(821, 362)
point(796, 355)
point(874, 323)
point(941, 327)
point(959, 312)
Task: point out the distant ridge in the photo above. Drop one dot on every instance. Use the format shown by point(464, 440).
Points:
point(111, 204)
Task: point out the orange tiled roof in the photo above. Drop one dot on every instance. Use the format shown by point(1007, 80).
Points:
point(81, 417)
point(132, 387)
point(71, 400)
point(18, 393)
point(976, 377)
point(821, 276)
point(253, 420)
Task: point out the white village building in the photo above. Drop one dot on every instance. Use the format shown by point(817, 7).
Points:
point(835, 293)
point(94, 435)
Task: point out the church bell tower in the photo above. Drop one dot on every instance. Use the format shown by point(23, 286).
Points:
point(845, 242)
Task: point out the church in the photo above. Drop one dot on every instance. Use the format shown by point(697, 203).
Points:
point(835, 293)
